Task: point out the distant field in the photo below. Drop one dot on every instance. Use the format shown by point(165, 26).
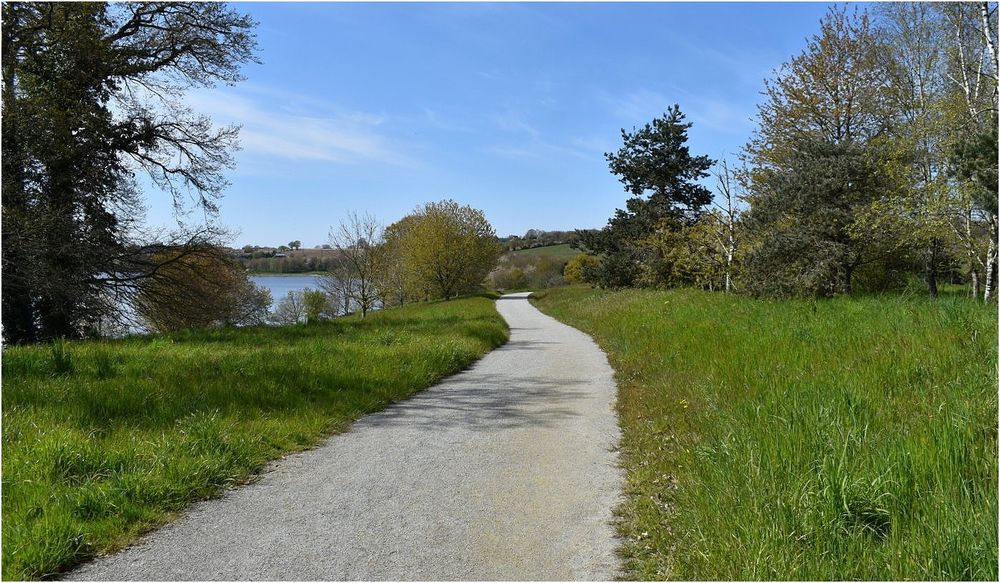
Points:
point(853, 438)
point(103, 440)
point(559, 252)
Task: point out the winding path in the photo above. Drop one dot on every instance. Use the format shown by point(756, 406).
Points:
point(505, 471)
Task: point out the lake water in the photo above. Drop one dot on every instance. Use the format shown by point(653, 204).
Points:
point(280, 285)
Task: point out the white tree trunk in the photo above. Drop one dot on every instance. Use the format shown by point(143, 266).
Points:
point(989, 286)
point(984, 16)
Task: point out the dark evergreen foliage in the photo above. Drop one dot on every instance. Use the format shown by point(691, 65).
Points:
point(658, 170)
point(802, 216)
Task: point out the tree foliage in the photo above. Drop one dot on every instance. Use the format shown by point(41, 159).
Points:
point(803, 220)
point(200, 289)
point(578, 269)
point(91, 97)
point(446, 249)
point(659, 172)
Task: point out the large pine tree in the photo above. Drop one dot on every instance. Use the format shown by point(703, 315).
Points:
point(659, 172)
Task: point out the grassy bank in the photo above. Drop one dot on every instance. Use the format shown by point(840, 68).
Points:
point(845, 439)
point(103, 440)
point(557, 252)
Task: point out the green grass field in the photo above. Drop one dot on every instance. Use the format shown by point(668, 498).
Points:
point(557, 252)
point(853, 438)
point(104, 440)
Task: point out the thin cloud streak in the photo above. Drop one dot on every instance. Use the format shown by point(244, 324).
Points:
point(302, 130)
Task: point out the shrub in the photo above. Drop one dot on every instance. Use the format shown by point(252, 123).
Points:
point(576, 268)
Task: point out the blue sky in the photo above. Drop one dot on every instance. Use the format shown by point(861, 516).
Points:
point(507, 107)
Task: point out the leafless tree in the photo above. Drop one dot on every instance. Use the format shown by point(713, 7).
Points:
point(359, 243)
point(727, 212)
point(290, 310)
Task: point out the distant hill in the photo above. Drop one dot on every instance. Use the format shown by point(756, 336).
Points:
point(561, 252)
point(535, 238)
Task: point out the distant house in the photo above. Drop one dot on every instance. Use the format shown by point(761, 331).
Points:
point(280, 255)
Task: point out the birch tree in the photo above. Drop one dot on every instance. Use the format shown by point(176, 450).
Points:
point(727, 213)
point(972, 71)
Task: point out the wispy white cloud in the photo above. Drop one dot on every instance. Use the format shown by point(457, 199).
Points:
point(280, 125)
point(709, 112)
point(511, 121)
point(540, 149)
point(596, 145)
point(531, 142)
point(639, 106)
point(721, 116)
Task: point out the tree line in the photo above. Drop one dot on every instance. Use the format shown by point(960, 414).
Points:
point(874, 160)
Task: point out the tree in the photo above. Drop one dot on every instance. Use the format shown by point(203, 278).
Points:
point(725, 215)
point(314, 302)
point(200, 290)
point(338, 297)
point(823, 168)
point(295, 245)
point(578, 268)
point(290, 310)
point(943, 70)
point(390, 272)
point(804, 243)
point(447, 249)
point(92, 94)
point(358, 241)
point(971, 71)
point(660, 174)
point(974, 162)
point(837, 90)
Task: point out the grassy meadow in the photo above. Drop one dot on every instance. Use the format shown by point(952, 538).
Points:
point(103, 440)
point(557, 252)
point(853, 438)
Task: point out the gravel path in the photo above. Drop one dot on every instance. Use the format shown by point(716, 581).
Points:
point(505, 471)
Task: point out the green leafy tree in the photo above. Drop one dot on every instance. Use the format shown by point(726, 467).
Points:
point(659, 172)
point(974, 162)
point(824, 165)
point(447, 248)
point(314, 302)
point(578, 268)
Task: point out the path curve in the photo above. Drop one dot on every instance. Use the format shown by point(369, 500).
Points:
point(504, 471)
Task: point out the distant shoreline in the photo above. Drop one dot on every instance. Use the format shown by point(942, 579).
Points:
point(287, 274)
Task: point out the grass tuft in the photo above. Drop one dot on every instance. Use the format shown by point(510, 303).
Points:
point(62, 360)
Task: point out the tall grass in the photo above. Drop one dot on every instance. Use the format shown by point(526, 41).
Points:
point(103, 440)
point(854, 438)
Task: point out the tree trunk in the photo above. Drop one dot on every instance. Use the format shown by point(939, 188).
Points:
point(991, 260)
point(970, 251)
point(931, 268)
point(984, 16)
point(848, 274)
point(932, 288)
